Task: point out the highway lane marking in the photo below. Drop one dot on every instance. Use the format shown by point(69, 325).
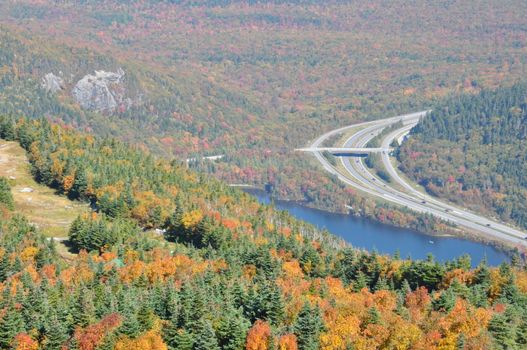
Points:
point(364, 184)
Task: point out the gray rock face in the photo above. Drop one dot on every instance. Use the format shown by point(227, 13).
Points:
point(52, 83)
point(101, 92)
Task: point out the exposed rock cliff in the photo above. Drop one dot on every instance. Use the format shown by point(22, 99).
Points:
point(52, 83)
point(102, 92)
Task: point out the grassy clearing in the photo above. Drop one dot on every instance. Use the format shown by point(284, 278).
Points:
point(50, 212)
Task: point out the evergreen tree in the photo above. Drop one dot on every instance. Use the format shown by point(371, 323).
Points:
point(86, 312)
point(80, 184)
point(11, 325)
point(521, 333)
point(445, 302)
point(7, 129)
point(272, 303)
point(130, 325)
point(232, 330)
point(308, 326)
point(502, 332)
point(360, 282)
point(55, 334)
point(373, 316)
point(5, 267)
point(6, 197)
point(381, 284)
point(205, 338)
point(145, 317)
point(183, 340)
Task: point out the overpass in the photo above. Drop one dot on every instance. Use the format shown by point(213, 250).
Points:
point(346, 151)
point(356, 174)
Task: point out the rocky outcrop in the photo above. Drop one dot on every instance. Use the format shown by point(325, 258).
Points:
point(52, 83)
point(102, 92)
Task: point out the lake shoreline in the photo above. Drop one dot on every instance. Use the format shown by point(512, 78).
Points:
point(427, 239)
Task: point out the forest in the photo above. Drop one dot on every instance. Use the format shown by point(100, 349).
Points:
point(166, 255)
point(471, 150)
point(20, 96)
point(226, 273)
point(254, 80)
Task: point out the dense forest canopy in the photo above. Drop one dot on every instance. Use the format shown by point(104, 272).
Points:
point(472, 149)
point(227, 273)
point(254, 80)
point(163, 256)
point(25, 96)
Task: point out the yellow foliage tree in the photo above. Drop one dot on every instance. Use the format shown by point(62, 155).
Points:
point(191, 218)
point(150, 340)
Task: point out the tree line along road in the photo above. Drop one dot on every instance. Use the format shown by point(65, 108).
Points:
point(359, 176)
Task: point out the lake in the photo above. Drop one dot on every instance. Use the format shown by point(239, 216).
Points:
point(370, 235)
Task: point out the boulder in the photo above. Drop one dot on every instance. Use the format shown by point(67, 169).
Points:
point(101, 92)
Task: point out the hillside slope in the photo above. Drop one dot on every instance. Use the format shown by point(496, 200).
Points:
point(472, 150)
point(236, 275)
point(255, 80)
point(51, 213)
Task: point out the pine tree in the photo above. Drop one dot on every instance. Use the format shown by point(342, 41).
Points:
point(175, 229)
point(6, 198)
point(515, 258)
point(205, 338)
point(373, 316)
point(502, 332)
point(170, 332)
point(130, 325)
point(445, 302)
point(186, 317)
point(183, 340)
point(5, 267)
point(360, 282)
point(145, 317)
point(11, 325)
point(55, 334)
point(521, 333)
point(308, 327)
point(232, 330)
point(158, 301)
point(7, 129)
point(35, 308)
point(80, 184)
point(381, 284)
point(86, 312)
point(273, 303)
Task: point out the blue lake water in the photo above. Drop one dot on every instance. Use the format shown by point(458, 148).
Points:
point(368, 234)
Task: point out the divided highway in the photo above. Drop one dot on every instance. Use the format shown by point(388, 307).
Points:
point(361, 178)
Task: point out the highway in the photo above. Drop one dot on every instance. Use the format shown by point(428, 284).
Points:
point(360, 177)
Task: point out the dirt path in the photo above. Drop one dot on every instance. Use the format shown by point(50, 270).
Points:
point(50, 212)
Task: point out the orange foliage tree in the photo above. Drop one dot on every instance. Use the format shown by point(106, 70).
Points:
point(90, 337)
point(259, 336)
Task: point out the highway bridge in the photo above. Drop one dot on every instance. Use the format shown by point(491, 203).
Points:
point(346, 151)
point(356, 174)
